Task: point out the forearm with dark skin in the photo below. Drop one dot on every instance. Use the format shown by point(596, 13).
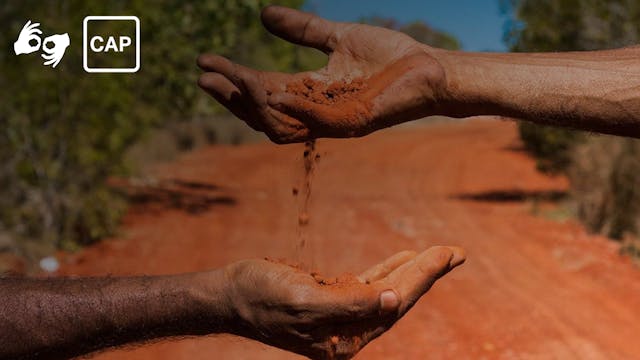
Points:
point(596, 91)
point(63, 318)
point(262, 300)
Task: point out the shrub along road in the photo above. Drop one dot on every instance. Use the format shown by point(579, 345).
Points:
point(532, 287)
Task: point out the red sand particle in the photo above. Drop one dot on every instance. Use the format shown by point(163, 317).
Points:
point(344, 279)
point(328, 94)
point(322, 93)
point(346, 103)
point(310, 158)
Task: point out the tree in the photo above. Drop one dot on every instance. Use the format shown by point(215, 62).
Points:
point(65, 132)
point(418, 30)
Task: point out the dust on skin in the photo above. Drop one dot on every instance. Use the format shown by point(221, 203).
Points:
point(341, 280)
point(356, 106)
point(347, 100)
point(343, 344)
point(327, 94)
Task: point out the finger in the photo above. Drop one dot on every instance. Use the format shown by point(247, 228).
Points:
point(208, 62)
point(250, 84)
point(349, 302)
point(232, 71)
point(29, 25)
point(280, 127)
point(227, 94)
point(383, 269)
point(301, 28)
point(245, 79)
point(219, 87)
point(283, 129)
point(415, 278)
point(33, 27)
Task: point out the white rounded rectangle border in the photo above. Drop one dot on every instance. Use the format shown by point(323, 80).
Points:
point(85, 44)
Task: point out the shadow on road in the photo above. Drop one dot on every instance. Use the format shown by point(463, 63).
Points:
point(189, 196)
point(516, 147)
point(513, 195)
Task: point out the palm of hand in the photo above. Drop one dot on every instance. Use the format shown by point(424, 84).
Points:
point(398, 76)
point(291, 309)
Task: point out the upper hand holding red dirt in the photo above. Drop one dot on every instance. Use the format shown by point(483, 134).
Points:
point(375, 78)
point(283, 306)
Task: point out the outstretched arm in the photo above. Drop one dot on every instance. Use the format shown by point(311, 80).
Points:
point(377, 77)
point(597, 91)
point(63, 318)
point(263, 300)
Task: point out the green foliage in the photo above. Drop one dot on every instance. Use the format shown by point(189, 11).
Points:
point(541, 26)
point(571, 25)
point(426, 35)
point(625, 191)
point(66, 131)
point(566, 25)
point(550, 146)
point(418, 30)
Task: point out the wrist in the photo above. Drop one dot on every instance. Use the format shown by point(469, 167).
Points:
point(443, 92)
point(208, 291)
point(466, 89)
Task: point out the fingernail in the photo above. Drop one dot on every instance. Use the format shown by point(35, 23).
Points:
point(458, 257)
point(389, 301)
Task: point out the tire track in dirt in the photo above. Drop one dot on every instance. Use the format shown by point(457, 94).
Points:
point(531, 288)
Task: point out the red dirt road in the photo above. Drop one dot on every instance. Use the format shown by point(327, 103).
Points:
point(532, 288)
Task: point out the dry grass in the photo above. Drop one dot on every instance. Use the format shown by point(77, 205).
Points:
point(605, 182)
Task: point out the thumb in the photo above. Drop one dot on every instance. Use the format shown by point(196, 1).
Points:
point(415, 278)
point(301, 28)
point(360, 301)
point(389, 301)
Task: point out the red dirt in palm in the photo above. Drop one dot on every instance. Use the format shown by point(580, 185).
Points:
point(532, 287)
point(320, 92)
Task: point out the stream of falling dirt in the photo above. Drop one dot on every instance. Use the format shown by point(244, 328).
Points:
point(303, 248)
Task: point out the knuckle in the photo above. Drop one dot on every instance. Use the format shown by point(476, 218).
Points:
point(239, 268)
point(384, 268)
point(332, 40)
point(308, 23)
point(299, 299)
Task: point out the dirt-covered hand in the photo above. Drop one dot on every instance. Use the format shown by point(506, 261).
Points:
point(291, 309)
point(374, 78)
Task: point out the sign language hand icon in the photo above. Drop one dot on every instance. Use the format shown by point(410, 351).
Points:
point(29, 41)
point(28, 34)
point(55, 54)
